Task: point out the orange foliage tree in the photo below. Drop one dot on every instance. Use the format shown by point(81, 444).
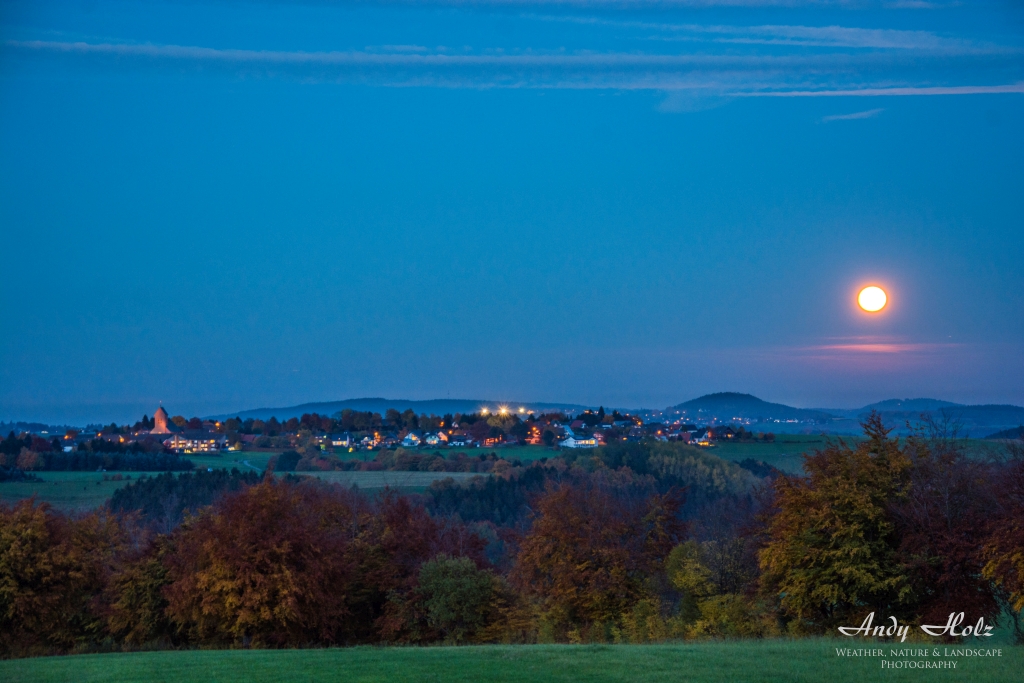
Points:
point(1004, 548)
point(52, 569)
point(590, 551)
point(265, 567)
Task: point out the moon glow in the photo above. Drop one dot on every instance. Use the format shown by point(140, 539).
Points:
point(872, 299)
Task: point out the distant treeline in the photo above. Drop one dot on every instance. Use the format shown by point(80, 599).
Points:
point(163, 500)
point(84, 461)
point(635, 542)
point(31, 453)
point(15, 474)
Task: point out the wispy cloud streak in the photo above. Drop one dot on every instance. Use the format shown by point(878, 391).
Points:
point(869, 114)
point(894, 92)
point(793, 36)
point(882, 347)
point(730, 75)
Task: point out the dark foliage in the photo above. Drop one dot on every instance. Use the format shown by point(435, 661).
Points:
point(285, 462)
point(105, 446)
point(163, 500)
point(12, 445)
point(15, 474)
point(502, 501)
point(86, 461)
point(760, 468)
point(949, 499)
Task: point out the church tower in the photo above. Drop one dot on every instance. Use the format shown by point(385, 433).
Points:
point(160, 423)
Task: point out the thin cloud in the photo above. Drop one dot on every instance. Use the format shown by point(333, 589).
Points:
point(789, 35)
point(886, 348)
point(633, 4)
point(896, 91)
point(869, 114)
point(719, 75)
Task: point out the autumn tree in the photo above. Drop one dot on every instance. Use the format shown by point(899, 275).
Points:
point(266, 567)
point(52, 566)
point(949, 499)
point(589, 551)
point(1003, 552)
point(137, 607)
point(832, 550)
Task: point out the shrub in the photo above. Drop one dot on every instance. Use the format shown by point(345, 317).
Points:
point(455, 596)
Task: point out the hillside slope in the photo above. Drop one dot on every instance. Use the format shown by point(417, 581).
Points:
point(727, 405)
point(438, 406)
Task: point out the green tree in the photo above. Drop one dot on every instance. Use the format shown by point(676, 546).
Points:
point(832, 551)
point(455, 596)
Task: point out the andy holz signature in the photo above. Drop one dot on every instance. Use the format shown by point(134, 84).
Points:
point(980, 629)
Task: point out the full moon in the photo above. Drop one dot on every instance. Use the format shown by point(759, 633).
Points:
point(872, 299)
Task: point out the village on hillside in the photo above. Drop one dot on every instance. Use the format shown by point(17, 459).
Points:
point(350, 431)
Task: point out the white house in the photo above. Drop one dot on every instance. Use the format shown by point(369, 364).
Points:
point(345, 440)
point(579, 442)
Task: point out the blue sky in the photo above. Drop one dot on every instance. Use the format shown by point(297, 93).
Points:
point(230, 205)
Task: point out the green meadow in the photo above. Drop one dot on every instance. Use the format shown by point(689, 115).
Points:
point(706, 662)
point(68, 490)
point(378, 480)
point(786, 452)
point(86, 490)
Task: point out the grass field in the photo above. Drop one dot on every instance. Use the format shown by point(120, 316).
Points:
point(68, 490)
point(378, 480)
point(712, 662)
point(87, 490)
point(785, 453)
point(255, 460)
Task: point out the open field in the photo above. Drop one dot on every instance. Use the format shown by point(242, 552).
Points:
point(378, 480)
point(68, 490)
point(364, 480)
point(763, 661)
point(785, 453)
point(243, 460)
point(523, 453)
point(87, 490)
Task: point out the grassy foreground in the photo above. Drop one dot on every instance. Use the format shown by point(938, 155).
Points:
point(804, 660)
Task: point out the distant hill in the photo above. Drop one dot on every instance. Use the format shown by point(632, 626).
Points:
point(907, 405)
point(438, 406)
point(985, 414)
point(31, 427)
point(1015, 433)
point(722, 407)
point(971, 420)
point(727, 405)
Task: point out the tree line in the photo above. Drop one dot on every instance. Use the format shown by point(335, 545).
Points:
point(628, 543)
